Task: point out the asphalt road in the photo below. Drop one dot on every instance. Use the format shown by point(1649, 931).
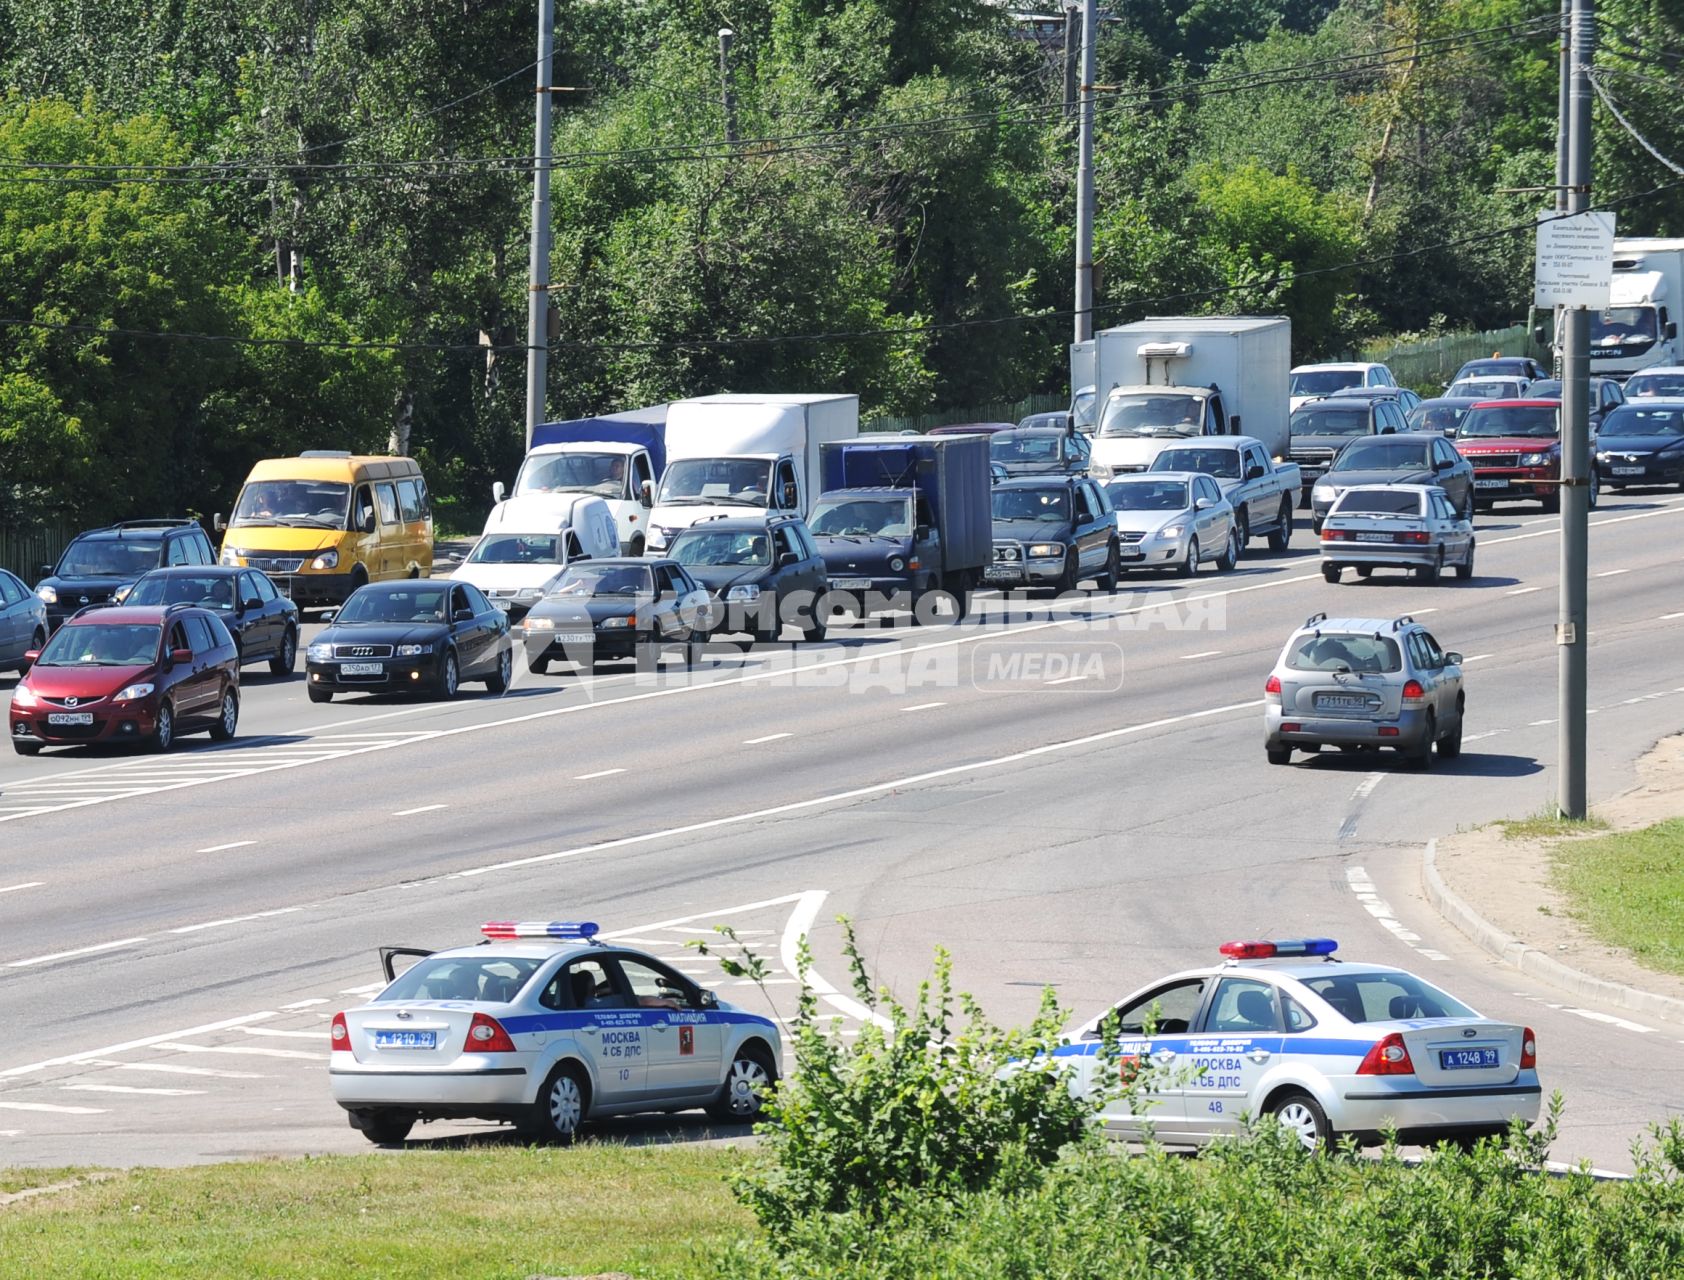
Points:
point(1074, 796)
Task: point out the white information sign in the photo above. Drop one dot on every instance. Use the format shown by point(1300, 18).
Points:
point(1575, 261)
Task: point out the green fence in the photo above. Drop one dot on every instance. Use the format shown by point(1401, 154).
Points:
point(1428, 365)
point(999, 411)
point(25, 548)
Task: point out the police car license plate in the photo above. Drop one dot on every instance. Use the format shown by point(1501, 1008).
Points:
point(1491, 484)
point(406, 1039)
point(1374, 537)
point(1626, 471)
point(70, 717)
point(851, 584)
point(1458, 1059)
point(360, 669)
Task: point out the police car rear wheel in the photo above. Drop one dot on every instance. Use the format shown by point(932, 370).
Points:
point(561, 1106)
point(1302, 1116)
point(746, 1086)
point(386, 1128)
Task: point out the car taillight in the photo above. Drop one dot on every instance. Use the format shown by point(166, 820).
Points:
point(1273, 687)
point(340, 1034)
point(1528, 1049)
point(1416, 538)
point(486, 1035)
point(1390, 1057)
point(1413, 694)
point(1335, 535)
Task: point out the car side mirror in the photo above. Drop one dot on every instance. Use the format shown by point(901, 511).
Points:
point(646, 493)
point(791, 493)
point(29, 661)
point(46, 571)
point(1671, 330)
point(921, 533)
point(1254, 472)
point(1233, 425)
point(218, 523)
point(181, 657)
point(250, 603)
point(1452, 659)
point(1388, 431)
point(368, 523)
point(462, 615)
point(788, 559)
point(707, 1000)
point(497, 490)
point(1202, 504)
point(328, 615)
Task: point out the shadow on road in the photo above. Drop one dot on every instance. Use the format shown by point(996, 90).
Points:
point(1470, 764)
point(624, 1131)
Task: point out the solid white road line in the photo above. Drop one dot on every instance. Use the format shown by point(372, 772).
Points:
point(255, 1051)
point(305, 1004)
point(27, 884)
point(217, 924)
point(144, 1043)
point(129, 1088)
point(48, 1106)
point(276, 1031)
point(218, 848)
point(1669, 617)
point(1429, 609)
point(771, 737)
point(1522, 591)
point(1063, 680)
point(1478, 657)
point(1207, 653)
point(425, 808)
point(1612, 573)
point(170, 1068)
point(924, 706)
point(1365, 788)
point(600, 773)
point(79, 951)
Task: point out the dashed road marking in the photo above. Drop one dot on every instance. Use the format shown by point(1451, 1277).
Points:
point(771, 737)
point(27, 884)
point(424, 808)
point(600, 773)
point(1522, 591)
point(232, 844)
point(251, 1050)
point(1357, 879)
point(218, 924)
point(1612, 573)
point(924, 706)
point(79, 951)
point(1207, 653)
point(53, 1107)
point(130, 1088)
point(173, 1069)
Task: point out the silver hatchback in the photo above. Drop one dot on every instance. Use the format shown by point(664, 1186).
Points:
point(1364, 683)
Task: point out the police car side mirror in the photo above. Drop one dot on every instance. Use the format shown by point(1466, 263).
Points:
point(1453, 659)
point(708, 1000)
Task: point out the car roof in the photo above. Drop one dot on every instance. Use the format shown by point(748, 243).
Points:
point(730, 524)
point(1338, 366)
point(129, 614)
point(198, 570)
point(1390, 488)
point(1036, 482)
point(1340, 401)
point(1141, 477)
point(620, 562)
point(139, 529)
point(1516, 404)
point(1418, 437)
point(409, 584)
point(528, 949)
point(1650, 402)
point(1032, 431)
point(1464, 401)
point(1358, 626)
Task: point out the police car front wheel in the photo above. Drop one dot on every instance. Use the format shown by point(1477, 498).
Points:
point(746, 1085)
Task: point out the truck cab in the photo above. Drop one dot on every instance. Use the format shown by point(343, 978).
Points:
point(553, 475)
point(515, 559)
point(1137, 423)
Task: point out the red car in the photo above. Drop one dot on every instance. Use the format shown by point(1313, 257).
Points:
point(129, 674)
point(1515, 449)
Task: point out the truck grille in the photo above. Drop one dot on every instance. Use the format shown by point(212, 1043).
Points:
point(1312, 457)
point(275, 563)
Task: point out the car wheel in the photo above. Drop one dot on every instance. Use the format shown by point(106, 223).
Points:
point(1242, 523)
point(1421, 756)
point(1365, 571)
point(1428, 573)
point(1230, 557)
point(1595, 495)
point(1302, 1116)
point(1280, 537)
point(1450, 745)
point(450, 680)
point(498, 681)
point(539, 666)
point(384, 1128)
point(562, 1105)
point(163, 736)
point(1112, 574)
point(637, 546)
point(319, 694)
point(1278, 755)
point(1072, 573)
point(228, 718)
point(26, 748)
point(1189, 563)
point(1465, 570)
point(1330, 573)
point(1552, 505)
point(284, 661)
point(747, 1083)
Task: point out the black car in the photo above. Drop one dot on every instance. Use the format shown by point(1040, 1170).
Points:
point(1403, 396)
point(1055, 420)
point(1323, 426)
point(1041, 451)
point(762, 572)
point(1418, 457)
point(1443, 414)
point(412, 634)
point(1606, 395)
point(1052, 532)
point(100, 562)
point(264, 623)
point(1502, 367)
point(1642, 443)
point(623, 607)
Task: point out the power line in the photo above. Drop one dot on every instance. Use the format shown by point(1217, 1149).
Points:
point(1614, 107)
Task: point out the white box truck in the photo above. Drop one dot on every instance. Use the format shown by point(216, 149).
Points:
point(734, 455)
point(1639, 330)
point(1165, 379)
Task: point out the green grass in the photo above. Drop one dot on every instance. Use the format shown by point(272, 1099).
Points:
point(1548, 825)
point(1628, 890)
point(23, 1179)
point(497, 1214)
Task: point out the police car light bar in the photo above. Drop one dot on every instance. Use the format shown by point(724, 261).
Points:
point(1274, 950)
point(568, 930)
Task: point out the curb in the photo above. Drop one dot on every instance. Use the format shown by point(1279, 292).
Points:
point(1528, 959)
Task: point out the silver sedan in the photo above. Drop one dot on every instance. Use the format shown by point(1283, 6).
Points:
point(1174, 520)
point(1411, 527)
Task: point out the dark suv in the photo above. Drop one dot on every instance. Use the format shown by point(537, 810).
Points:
point(99, 562)
point(1322, 426)
point(129, 673)
point(766, 573)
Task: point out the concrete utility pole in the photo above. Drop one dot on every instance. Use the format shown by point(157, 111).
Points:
point(1084, 178)
point(1072, 46)
point(1570, 636)
point(727, 88)
point(538, 287)
point(1564, 94)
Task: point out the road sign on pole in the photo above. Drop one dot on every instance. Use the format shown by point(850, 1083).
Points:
point(1575, 260)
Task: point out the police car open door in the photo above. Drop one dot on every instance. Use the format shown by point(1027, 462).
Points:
point(1152, 1037)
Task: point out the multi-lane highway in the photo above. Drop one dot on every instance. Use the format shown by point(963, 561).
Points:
point(1075, 796)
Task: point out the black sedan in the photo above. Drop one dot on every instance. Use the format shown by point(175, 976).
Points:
point(413, 634)
point(1416, 457)
point(263, 622)
point(618, 608)
point(1642, 442)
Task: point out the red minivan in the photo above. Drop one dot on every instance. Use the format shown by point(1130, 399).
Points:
point(129, 674)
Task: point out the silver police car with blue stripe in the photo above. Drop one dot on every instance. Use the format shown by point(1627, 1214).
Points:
point(544, 1026)
point(1331, 1049)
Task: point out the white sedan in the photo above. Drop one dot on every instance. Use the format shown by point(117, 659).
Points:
point(1331, 1049)
point(545, 1027)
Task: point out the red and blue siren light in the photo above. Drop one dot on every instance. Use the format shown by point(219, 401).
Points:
point(564, 930)
point(1286, 948)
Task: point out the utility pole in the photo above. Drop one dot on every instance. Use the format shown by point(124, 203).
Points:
point(538, 287)
point(1564, 95)
point(1072, 46)
point(1084, 178)
point(1570, 637)
point(727, 89)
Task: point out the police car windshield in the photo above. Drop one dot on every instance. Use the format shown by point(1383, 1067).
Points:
point(695, 548)
point(92, 644)
point(516, 548)
point(865, 517)
point(108, 557)
point(1345, 652)
point(207, 590)
point(490, 979)
point(606, 580)
point(1148, 495)
point(1385, 997)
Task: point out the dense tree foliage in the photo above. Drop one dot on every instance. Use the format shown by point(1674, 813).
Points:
point(343, 187)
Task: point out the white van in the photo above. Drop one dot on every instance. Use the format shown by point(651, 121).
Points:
point(514, 562)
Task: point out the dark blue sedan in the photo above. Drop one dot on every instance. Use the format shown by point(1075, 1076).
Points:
point(1642, 444)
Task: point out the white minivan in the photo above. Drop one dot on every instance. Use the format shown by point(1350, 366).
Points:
point(515, 559)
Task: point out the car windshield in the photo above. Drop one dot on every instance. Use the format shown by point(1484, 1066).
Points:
point(1629, 420)
point(517, 548)
point(1623, 327)
point(600, 473)
point(1014, 447)
point(1050, 506)
point(866, 517)
point(1224, 464)
point(1437, 417)
point(484, 979)
point(314, 504)
point(102, 644)
point(1324, 382)
point(1149, 495)
point(1081, 407)
point(108, 558)
point(207, 590)
point(591, 580)
point(1502, 367)
point(1139, 414)
point(1536, 420)
point(748, 547)
point(1485, 388)
point(1344, 651)
point(742, 482)
point(1384, 455)
point(1385, 997)
point(1655, 384)
point(1330, 422)
point(1384, 502)
point(418, 603)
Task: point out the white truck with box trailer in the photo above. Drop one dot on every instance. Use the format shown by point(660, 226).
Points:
point(1166, 379)
point(1639, 330)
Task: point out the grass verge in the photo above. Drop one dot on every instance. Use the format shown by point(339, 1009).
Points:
point(1627, 888)
point(471, 1215)
point(1550, 826)
point(15, 1180)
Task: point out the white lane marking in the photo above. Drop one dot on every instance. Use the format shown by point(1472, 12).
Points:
point(771, 737)
point(1522, 591)
point(218, 924)
point(600, 773)
point(1478, 657)
point(1418, 612)
point(1538, 724)
point(1612, 573)
point(305, 1004)
point(170, 1068)
point(145, 1042)
point(27, 884)
point(363, 990)
point(798, 926)
point(836, 797)
point(1204, 653)
point(1365, 788)
point(131, 1088)
point(276, 1031)
point(79, 951)
point(424, 808)
point(218, 848)
point(53, 1107)
point(1061, 680)
point(1624, 1024)
point(924, 706)
point(256, 1051)
point(1358, 881)
point(1668, 617)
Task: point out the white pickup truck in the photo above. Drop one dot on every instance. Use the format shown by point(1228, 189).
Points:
point(1263, 493)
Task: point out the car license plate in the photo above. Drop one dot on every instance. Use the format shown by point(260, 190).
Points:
point(1005, 571)
point(406, 1039)
point(1462, 1059)
point(70, 717)
point(1491, 484)
point(360, 669)
point(1374, 537)
point(575, 637)
point(1627, 471)
point(850, 584)
point(1343, 701)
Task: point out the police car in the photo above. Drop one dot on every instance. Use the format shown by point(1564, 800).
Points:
point(546, 1027)
point(1331, 1049)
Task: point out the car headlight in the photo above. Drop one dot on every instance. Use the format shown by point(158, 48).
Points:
point(1535, 459)
point(232, 556)
point(539, 624)
point(529, 593)
point(318, 652)
point(134, 691)
point(49, 595)
point(24, 696)
point(1099, 471)
point(1170, 531)
point(609, 623)
point(121, 593)
point(1322, 491)
point(1044, 550)
point(896, 565)
point(328, 559)
point(413, 650)
point(747, 591)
